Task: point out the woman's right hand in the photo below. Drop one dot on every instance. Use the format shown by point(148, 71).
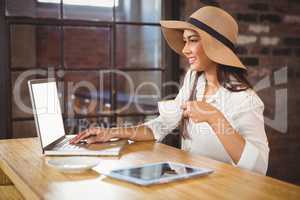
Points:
point(93, 135)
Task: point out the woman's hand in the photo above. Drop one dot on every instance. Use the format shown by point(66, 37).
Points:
point(93, 135)
point(200, 111)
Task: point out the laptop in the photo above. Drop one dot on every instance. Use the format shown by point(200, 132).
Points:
point(50, 127)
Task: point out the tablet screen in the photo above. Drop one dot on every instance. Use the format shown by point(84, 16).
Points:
point(157, 171)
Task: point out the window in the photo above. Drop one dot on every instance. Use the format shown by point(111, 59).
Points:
point(106, 55)
point(93, 3)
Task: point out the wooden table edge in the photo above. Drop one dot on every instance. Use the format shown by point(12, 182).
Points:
point(20, 185)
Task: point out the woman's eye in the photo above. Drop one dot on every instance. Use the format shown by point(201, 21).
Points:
point(194, 40)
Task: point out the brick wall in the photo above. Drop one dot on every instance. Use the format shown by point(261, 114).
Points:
point(269, 41)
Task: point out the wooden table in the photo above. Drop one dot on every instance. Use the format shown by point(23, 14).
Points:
point(22, 162)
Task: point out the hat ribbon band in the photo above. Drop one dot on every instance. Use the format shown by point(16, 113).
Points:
point(212, 32)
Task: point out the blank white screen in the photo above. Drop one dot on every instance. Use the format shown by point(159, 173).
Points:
point(48, 112)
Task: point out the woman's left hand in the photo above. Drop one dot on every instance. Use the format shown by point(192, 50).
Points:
point(200, 111)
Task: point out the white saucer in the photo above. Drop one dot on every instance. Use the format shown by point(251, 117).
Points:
point(73, 164)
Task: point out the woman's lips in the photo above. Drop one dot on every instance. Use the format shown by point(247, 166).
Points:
point(192, 60)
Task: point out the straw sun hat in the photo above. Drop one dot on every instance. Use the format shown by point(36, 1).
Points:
point(217, 29)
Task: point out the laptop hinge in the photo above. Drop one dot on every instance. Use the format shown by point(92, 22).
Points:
point(51, 145)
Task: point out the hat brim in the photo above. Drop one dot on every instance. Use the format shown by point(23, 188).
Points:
point(214, 49)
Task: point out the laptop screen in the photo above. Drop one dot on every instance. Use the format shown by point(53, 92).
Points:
point(48, 112)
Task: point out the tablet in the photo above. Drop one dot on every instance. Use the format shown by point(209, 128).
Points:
point(157, 173)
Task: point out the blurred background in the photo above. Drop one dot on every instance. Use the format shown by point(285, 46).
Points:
point(83, 40)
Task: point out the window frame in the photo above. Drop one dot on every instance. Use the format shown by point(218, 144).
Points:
point(167, 68)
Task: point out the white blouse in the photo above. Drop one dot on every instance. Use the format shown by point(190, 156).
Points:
point(243, 110)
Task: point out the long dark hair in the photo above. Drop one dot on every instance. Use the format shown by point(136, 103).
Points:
point(232, 78)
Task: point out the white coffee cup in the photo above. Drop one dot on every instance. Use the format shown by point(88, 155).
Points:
point(169, 109)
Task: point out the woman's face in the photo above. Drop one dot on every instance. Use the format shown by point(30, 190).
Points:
point(194, 51)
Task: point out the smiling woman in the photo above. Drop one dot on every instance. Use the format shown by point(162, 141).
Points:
point(194, 51)
point(222, 117)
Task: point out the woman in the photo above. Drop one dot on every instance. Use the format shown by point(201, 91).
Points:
point(222, 116)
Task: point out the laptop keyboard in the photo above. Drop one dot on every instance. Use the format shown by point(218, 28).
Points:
point(64, 144)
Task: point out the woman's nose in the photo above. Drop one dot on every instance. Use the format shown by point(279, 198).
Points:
point(186, 49)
